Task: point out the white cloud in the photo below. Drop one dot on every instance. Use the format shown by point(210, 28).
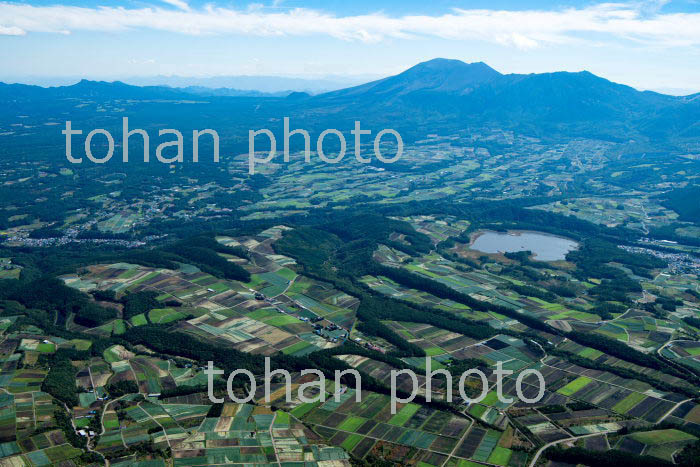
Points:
point(11, 31)
point(521, 29)
point(178, 4)
point(136, 61)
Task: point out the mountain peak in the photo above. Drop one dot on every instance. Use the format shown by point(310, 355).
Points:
point(446, 64)
point(446, 75)
point(436, 75)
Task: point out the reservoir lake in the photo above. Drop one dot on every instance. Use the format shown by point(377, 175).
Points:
point(544, 247)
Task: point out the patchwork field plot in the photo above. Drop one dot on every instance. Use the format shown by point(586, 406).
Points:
point(438, 229)
point(686, 413)
point(381, 371)
point(363, 426)
point(599, 357)
point(119, 223)
point(283, 313)
point(687, 352)
point(233, 313)
point(152, 375)
point(658, 443)
point(608, 391)
point(253, 435)
point(481, 284)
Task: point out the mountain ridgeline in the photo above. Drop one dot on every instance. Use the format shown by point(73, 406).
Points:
point(440, 96)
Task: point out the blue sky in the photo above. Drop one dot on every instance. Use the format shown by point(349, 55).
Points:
point(647, 44)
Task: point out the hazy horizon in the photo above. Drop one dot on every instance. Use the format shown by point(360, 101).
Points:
point(265, 83)
point(645, 44)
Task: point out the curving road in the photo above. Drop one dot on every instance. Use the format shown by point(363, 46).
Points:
point(573, 438)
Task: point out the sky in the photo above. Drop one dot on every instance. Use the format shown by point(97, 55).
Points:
point(648, 44)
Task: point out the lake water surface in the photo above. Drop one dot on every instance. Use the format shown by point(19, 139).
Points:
point(544, 247)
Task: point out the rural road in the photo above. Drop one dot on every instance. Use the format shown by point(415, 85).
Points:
point(272, 439)
point(548, 445)
point(672, 409)
point(157, 423)
point(459, 443)
point(671, 361)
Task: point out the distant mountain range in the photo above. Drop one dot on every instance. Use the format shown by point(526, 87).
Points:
point(228, 85)
point(260, 84)
point(449, 95)
point(119, 90)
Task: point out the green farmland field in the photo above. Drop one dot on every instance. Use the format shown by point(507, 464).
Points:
point(139, 320)
point(281, 320)
point(661, 437)
point(628, 402)
point(574, 386)
point(500, 456)
point(351, 441)
point(352, 423)
point(404, 414)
